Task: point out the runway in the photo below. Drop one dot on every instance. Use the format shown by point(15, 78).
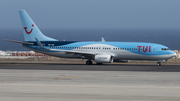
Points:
point(78, 82)
point(105, 67)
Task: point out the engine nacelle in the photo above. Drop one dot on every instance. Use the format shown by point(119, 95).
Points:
point(105, 58)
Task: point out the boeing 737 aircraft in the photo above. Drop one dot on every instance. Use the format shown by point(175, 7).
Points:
point(100, 52)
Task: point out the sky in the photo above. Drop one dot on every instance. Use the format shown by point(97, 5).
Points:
point(92, 13)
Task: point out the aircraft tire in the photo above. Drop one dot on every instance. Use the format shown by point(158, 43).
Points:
point(159, 63)
point(88, 62)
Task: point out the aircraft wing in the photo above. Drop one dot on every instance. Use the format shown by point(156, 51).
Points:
point(75, 52)
point(82, 52)
point(67, 51)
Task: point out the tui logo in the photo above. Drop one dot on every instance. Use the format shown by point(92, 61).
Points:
point(145, 49)
point(29, 31)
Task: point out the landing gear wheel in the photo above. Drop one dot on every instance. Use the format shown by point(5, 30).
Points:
point(88, 62)
point(159, 63)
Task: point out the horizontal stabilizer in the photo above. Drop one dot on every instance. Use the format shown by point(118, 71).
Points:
point(20, 42)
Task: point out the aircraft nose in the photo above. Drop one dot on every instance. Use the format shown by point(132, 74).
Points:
point(173, 54)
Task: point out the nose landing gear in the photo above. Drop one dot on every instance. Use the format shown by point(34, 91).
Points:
point(160, 61)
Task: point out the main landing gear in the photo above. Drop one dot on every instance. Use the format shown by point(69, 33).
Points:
point(159, 63)
point(88, 62)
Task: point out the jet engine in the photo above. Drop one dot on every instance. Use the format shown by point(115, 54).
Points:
point(105, 58)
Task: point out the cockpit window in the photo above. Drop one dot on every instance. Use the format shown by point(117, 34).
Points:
point(165, 49)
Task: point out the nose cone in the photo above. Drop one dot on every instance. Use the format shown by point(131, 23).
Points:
point(172, 53)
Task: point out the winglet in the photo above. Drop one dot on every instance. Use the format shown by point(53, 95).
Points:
point(103, 39)
point(39, 44)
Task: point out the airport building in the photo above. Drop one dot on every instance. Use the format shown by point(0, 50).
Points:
point(20, 53)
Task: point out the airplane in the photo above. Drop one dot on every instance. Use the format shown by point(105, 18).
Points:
point(99, 52)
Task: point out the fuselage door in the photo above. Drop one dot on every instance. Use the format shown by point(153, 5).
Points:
point(154, 50)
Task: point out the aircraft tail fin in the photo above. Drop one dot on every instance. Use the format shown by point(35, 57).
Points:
point(30, 30)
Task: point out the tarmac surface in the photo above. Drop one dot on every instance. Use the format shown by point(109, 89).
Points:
point(78, 82)
point(105, 67)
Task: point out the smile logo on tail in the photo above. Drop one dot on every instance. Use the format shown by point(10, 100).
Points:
point(30, 31)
